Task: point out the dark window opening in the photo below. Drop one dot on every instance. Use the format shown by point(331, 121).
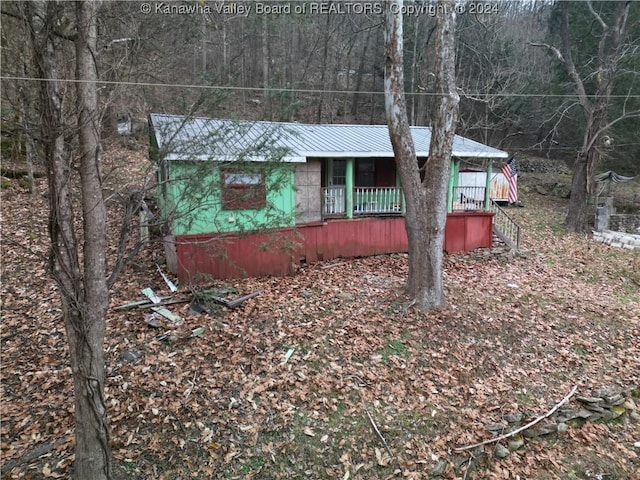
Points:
point(366, 173)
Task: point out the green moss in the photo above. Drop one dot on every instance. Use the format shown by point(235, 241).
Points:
point(394, 348)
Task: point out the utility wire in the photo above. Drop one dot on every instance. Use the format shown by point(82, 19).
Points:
point(288, 90)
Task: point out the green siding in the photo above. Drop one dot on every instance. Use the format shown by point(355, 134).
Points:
point(193, 203)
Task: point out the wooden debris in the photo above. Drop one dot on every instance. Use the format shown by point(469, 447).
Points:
point(331, 265)
point(164, 303)
point(238, 301)
point(150, 294)
point(166, 313)
point(169, 283)
point(153, 320)
point(287, 356)
point(197, 332)
point(137, 303)
point(375, 429)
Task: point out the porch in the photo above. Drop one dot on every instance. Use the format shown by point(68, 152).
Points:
point(343, 202)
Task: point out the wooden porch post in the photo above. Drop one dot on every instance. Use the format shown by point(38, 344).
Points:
point(349, 184)
point(487, 188)
point(403, 206)
point(453, 181)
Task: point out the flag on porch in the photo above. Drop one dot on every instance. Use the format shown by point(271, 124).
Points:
point(511, 173)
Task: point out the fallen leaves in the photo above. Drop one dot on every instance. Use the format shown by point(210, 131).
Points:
point(278, 386)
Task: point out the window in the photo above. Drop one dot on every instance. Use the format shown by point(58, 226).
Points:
point(366, 173)
point(243, 189)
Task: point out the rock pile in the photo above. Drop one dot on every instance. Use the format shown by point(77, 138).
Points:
point(624, 223)
point(542, 165)
point(602, 405)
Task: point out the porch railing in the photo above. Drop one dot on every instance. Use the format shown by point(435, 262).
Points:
point(334, 201)
point(505, 227)
point(468, 198)
point(366, 200)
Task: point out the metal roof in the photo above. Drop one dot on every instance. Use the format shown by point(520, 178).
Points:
point(187, 138)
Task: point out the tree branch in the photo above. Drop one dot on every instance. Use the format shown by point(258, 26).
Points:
point(569, 65)
point(518, 430)
point(554, 129)
point(632, 114)
point(557, 53)
point(597, 16)
point(13, 15)
point(375, 428)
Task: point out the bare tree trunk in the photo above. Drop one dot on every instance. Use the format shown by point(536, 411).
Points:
point(204, 46)
point(359, 74)
point(403, 147)
point(86, 331)
point(265, 67)
point(323, 68)
point(436, 172)
point(83, 289)
point(414, 67)
point(426, 202)
point(29, 150)
point(586, 163)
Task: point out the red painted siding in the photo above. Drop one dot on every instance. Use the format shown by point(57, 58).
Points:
point(466, 231)
point(277, 253)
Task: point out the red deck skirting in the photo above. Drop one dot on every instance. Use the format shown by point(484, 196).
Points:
point(277, 253)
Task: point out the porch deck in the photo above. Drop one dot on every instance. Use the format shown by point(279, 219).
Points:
point(366, 201)
point(390, 200)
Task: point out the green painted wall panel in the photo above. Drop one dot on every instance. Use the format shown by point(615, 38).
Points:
point(193, 203)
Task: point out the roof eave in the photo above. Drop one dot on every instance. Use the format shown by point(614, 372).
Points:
point(175, 157)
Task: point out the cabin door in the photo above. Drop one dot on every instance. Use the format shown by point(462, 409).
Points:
point(335, 198)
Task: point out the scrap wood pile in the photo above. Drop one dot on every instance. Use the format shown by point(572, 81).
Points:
point(200, 300)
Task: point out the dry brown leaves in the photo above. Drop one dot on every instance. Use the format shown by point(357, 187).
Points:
point(516, 336)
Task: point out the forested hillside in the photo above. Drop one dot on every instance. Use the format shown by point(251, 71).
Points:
point(324, 62)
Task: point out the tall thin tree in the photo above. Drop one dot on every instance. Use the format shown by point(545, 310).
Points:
point(83, 285)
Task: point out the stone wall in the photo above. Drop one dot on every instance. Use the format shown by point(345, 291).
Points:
point(618, 239)
point(626, 223)
point(608, 219)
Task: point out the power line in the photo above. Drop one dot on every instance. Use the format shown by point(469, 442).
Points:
point(575, 147)
point(288, 90)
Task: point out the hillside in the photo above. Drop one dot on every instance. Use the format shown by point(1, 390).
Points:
point(328, 372)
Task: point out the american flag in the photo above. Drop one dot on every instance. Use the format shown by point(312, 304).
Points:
point(511, 173)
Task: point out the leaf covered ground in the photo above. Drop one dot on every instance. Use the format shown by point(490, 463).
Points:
point(518, 333)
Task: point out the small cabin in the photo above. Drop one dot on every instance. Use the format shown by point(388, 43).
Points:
point(246, 198)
